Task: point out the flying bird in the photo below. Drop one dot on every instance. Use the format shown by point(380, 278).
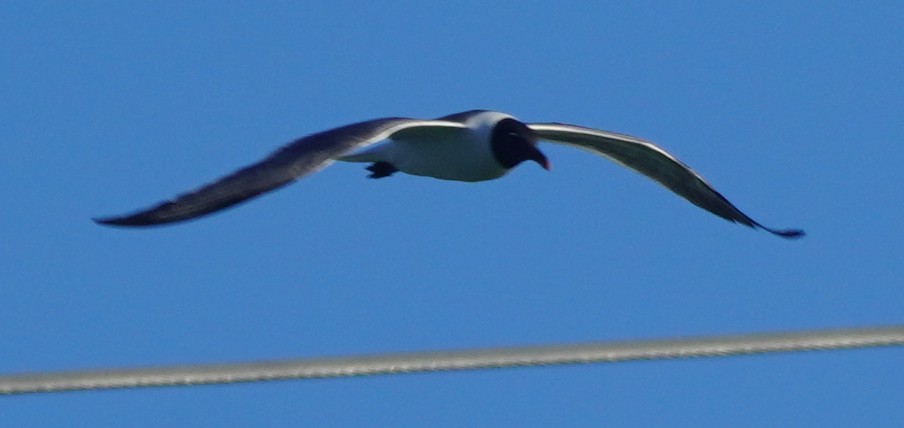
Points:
point(475, 145)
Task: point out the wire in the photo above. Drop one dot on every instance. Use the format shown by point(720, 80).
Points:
point(454, 360)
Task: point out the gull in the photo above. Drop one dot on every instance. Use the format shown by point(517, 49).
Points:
point(471, 146)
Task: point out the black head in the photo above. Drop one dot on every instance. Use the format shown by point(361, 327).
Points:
point(513, 142)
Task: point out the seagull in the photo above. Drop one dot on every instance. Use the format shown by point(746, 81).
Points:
point(471, 146)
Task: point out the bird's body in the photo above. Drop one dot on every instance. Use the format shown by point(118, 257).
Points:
point(475, 145)
point(444, 152)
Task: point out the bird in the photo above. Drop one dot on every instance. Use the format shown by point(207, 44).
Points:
point(470, 146)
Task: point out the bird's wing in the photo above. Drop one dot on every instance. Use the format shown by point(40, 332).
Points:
point(291, 162)
point(654, 162)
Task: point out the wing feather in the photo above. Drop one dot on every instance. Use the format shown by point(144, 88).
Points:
point(289, 163)
point(655, 163)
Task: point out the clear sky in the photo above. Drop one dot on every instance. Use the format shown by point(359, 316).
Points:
point(793, 110)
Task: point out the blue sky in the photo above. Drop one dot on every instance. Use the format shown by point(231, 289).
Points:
point(792, 110)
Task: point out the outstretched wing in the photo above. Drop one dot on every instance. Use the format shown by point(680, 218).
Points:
point(293, 161)
point(654, 162)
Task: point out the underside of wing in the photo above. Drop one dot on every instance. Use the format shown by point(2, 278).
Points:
point(293, 161)
point(654, 162)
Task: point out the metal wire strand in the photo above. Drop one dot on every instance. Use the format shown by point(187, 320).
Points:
point(454, 360)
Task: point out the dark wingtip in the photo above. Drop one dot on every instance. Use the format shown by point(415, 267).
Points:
point(107, 221)
point(788, 233)
point(111, 221)
point(163, 213)
point(128, 221)
point(100, 220)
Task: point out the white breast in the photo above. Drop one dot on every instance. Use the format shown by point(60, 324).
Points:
point(463, 155)
point(462, 159)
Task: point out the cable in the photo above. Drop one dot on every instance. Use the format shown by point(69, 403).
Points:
point(454, 360)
